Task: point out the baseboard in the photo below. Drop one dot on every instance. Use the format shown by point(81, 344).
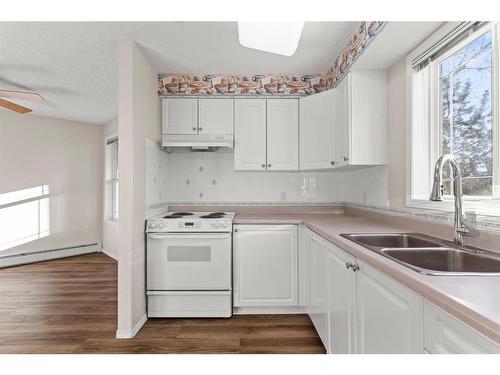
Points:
point(41, 256)
point(130, 333)
point(111, 255)
point(268, 310)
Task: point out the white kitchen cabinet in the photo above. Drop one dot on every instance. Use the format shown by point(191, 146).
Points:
point(341, 301)
point(250, 134)
point(304, 266)
point(361, 125)
point(265, 265)
point(318, 306)
point(443, 334)
point(180, 116)
point(215, 116)
point(389, 316)
point(282, 135)
point(318, 131)
point(266, 134)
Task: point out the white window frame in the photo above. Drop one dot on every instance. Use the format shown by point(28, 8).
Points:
point(111, 179)
point(489, 206)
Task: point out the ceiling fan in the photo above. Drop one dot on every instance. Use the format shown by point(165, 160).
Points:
point(22, 95)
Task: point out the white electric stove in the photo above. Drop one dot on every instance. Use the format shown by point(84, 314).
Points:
point(189, 264)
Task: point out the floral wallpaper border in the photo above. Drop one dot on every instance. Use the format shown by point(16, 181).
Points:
point(171, 84)
point(246, 84)
point(353, 50)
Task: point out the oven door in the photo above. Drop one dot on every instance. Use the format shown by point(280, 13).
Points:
point(194, 261)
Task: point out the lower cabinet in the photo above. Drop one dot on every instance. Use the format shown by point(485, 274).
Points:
point(389, 316)
point(445, 334)
point(341, 301)
point(354, 307)
point(265, 265)
point(318, 300)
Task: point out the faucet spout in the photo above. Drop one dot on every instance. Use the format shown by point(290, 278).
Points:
point(460, 229)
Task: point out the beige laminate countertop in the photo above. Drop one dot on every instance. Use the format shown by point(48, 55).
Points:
point(473, 299)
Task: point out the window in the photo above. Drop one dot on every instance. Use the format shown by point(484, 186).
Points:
point(453, 111)
point(112, 178)
point(465, 88)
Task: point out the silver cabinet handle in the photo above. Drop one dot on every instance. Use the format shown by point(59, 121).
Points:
point(235, 229)
point(332, 162)
point(194, 128)
point(200, 128)
point(263, 165)
point(355, 267)
point(346, 158)
point(269, 165)
point(348, 265)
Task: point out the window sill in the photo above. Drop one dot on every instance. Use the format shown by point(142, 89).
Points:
point(484, 212)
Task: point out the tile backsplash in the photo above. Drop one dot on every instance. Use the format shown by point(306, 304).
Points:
point(200, 177)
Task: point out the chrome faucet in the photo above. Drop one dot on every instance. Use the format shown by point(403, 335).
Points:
point(460, 229)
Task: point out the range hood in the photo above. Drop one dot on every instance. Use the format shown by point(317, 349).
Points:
point(197, 141)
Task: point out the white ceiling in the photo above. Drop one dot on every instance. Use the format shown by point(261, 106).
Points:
point(74, 64)
point(396, 40)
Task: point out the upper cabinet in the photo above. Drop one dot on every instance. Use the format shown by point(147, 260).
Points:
point(317, 131)
point(215, 116)
point(180, 116)
point(361, 125)
point(250, 134)
point(188, 122)
point(266, 134)
point(346, 126)
point(282, 134)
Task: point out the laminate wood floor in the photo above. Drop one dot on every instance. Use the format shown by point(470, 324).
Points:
point(69, 306)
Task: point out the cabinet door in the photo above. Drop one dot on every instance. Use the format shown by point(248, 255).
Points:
point(343, 109)
point(304, 267)
point(341, 301)
point(369, 136)
point(443, 334)
point(317, 131)
point(283, 134)
point(180, 116)
point(265, 265)
point(250, 134)
point(318, 307)
point(216, 116)
point(389, 316)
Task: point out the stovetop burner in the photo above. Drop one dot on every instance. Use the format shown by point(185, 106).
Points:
point(177, 215)
point(172, 216)
point(213, 215)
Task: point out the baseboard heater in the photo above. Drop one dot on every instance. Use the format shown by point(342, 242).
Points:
point(43, 255)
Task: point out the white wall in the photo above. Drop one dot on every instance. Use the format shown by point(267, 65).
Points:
point(397, 134)
point(367, 186)
point(65, 155)
point(109, 227)
point(138, 119)
point(209, 177)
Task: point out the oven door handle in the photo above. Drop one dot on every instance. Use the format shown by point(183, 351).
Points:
point(191, 236)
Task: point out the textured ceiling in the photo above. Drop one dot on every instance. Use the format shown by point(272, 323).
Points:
point(74, 64)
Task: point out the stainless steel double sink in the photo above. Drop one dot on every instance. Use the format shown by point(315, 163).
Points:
point(429, 255)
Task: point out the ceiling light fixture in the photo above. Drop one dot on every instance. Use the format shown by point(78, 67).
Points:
point(275, 37)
